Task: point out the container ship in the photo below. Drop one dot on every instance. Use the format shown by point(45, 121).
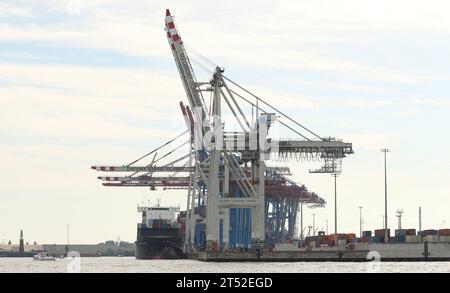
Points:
point(160, 234)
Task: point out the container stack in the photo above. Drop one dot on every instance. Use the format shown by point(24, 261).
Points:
point(380, 233)
point(365, 236)
point(350, 238)
point(342, 242)
point(400, 235)
point(329, 240)
point(444, 235)
point(430, 232)
point(410, 232)
point(161, 224)
point(430, 235)
point(318, 241)
point(375, 239)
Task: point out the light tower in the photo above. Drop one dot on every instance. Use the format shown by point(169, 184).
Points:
point(399, 216)
point(360, 221)
point(335, 175)
point(420, 218)
point(314, 224)
point(386, 237)
point(67, 234)
point(309, 230)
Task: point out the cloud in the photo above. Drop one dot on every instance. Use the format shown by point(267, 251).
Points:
point(330, 85)
point(115, 26)
point(433, 102)
point(370, 140)
point(88, 102)
point(10, 9)
point(366, 103)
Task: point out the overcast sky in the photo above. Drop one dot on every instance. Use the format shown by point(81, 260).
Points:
point(92, 82)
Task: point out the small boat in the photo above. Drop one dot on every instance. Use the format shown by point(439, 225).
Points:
point(43, 256)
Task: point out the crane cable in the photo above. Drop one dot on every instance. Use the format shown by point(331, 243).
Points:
point(275, 109)
point(158, 148)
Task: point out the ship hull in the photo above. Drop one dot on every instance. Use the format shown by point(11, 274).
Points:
point(158, 244)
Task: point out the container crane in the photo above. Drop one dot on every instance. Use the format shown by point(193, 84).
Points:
point(234, 200)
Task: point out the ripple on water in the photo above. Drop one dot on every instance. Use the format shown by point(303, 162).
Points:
point(131, 265)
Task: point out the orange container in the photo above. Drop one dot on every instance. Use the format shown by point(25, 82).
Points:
point(351, 236)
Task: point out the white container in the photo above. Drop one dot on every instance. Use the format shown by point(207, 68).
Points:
point(342, 242)
point(361, 246)
point(431, 238)
point(286, 247)
point(444, 239)
point(413, 239)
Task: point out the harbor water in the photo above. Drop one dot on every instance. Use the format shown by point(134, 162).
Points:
point(131, 265)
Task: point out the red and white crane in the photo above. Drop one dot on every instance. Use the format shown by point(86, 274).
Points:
point(225, 171)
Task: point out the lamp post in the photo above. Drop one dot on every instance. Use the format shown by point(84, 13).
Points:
point(301, 222)
point(386, 237)
point(360, 221)
point(314, 224)
point(335, 175)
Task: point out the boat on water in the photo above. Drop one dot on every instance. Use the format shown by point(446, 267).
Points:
point(160, 233)
point(43, 256)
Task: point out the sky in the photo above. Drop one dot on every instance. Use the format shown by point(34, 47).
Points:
point(93, 82)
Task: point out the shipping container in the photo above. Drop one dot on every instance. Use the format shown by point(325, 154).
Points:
point(392, 240)
point(364, 239)
point(431, 238)
point(400, 238)
point(380, 232)
point(411, 232)
point(342, 242)
point(430, 232)
point(340, 236)
point(330, 237)
point(413, 239)
point(367, 233)
point(444, 232)
point(350, 236)
point(374, 239)
point(444, 239)
point(400, 232)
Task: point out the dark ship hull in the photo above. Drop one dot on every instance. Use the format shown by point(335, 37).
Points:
point(158, 244)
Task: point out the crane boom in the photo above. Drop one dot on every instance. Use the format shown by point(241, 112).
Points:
point(184, 65)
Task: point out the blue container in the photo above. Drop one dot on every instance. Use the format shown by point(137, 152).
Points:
point(367, 233)
point(401, 232)
point(400, 238)
point(374, 239)
point(199, 237)
point(240, 225)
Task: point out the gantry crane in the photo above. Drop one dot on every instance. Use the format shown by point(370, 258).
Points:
point(234, 199)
